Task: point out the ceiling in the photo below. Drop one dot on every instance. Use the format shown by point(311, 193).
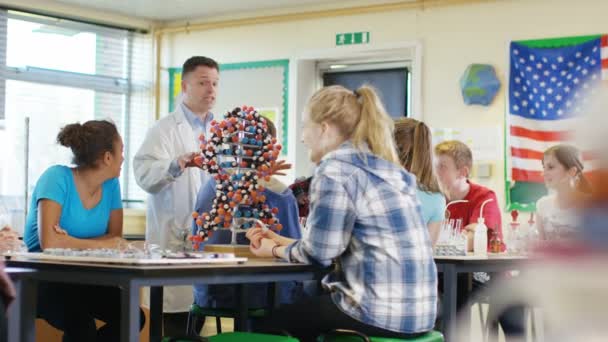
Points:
point(163, 10)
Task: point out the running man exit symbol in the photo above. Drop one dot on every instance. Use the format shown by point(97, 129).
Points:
point(352, 38)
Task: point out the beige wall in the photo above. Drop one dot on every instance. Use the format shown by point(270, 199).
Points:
point(451, 36)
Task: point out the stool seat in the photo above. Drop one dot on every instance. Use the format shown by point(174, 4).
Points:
point(197, 311)
point(353, 336)
point(234, 337)
point(250, 337)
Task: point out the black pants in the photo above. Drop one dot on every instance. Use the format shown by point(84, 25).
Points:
point(511, 319)
point(74, 308)
point(174, 324)
point(3, 322)
point(311, 317)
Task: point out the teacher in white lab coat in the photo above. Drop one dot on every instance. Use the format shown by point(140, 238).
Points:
point(162, 168)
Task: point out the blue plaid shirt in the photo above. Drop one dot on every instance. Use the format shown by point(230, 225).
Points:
point(365, 215)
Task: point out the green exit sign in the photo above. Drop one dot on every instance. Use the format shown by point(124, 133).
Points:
point(352, 38)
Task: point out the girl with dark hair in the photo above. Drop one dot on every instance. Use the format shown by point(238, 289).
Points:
point(80, 207)
point(563, 173)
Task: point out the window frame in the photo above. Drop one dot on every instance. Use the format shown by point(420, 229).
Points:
point(125, 85)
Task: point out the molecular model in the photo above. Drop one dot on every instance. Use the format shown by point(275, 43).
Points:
point(239, 153)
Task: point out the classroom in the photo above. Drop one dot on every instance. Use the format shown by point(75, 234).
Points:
point(282, 171)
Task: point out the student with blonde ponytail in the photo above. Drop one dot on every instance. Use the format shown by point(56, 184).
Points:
point(375, 126)
point(365, 216)
point(563, 174)
point(414, 143)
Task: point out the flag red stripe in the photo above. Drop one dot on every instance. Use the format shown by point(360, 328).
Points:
point(526, 153)
point(520, 175)
point(605, 63)
point(540, 135)
point(604, 40)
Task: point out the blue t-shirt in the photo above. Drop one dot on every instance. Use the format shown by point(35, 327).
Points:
point(57, 184)
point(432, 205)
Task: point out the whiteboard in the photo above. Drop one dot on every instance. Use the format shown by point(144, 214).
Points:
point(261, 88)
point(263, 85)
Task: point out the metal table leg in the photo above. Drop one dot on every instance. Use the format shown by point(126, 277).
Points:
point(156, 313)
point(22, 312)
point(242, 317)
point(129, 312)
point(463, 304)
point(450, 287)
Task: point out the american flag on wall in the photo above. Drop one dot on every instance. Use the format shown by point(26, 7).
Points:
point(548, 89)
point(604, 46)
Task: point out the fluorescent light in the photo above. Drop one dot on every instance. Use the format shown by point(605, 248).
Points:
point(338, 66)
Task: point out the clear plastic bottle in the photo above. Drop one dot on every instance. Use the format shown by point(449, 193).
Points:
point(523, 237)
point(512, 241)
point(480, 237)
point(533, 234)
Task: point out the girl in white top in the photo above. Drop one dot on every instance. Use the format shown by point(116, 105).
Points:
point(556, 212)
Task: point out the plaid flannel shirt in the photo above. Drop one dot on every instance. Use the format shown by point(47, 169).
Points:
point(364, 214)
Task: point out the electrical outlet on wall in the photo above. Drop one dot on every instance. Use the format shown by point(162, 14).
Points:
point(483, 170)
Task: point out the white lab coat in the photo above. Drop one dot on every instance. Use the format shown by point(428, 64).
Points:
point(170, 200)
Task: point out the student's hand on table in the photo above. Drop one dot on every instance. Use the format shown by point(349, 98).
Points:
point(9, 240)
point(7, 230)
point(277, 168)
point(115, 242)
point(264, 249)
point(8, 234)
point(61, 236)
point(255, 235)
point(59, 230)
point(138, 245)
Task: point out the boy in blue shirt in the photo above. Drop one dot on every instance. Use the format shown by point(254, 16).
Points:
point(277, 196)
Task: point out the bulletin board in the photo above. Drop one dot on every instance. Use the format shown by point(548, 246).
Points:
point(484, 141)
point(263, 85)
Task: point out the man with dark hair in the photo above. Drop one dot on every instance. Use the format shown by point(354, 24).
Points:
point(163, 168)
point(193, 63)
